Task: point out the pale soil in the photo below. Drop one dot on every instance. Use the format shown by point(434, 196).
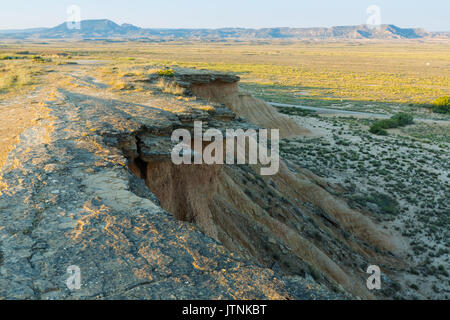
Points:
point(15, 117)
point(420, 157)
point(22, 109)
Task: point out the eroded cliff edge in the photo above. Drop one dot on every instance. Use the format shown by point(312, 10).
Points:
point(92, 185)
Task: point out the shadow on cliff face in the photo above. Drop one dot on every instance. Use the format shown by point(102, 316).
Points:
point(290, 221)
point(265, 220)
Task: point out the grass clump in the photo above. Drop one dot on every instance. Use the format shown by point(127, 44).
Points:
point(442, 105)
point(119, 84)
point(398, 120)
point(17, 76)
point(168, 86)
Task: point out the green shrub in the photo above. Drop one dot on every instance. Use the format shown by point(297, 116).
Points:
point(41, 59)
point(385, 203)
point(166, 73)
point(297, 112)
point(414, 286)
point(442, 105)
point(6, 57)
point(397, 120)
point(387, 123)
point(377, 129)
point(403, 119)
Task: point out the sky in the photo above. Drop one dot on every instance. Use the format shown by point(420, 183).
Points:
point(433, 15)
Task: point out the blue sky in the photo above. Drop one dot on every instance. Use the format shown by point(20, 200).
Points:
point(433, 15)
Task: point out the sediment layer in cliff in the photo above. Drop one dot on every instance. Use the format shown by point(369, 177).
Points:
point(92, 185)
point(292, 221)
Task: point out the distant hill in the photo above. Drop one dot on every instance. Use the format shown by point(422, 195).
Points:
point(107, 29)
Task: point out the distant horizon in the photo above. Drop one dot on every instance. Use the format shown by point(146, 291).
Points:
point(431, 15)
point(225, 27)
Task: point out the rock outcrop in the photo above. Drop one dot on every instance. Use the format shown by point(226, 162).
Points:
point(69, 199)
point(92, 185)
point(223, 88)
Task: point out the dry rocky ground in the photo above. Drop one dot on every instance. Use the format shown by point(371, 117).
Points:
point(90, 183)
point(402, 181)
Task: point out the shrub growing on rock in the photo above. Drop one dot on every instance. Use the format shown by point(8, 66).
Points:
point(166, 73)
